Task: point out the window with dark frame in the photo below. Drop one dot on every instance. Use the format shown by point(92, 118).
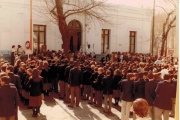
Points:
point(39, 37)
point(105, 40)
point(132, 41)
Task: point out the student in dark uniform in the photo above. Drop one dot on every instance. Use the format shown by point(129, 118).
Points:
point(46, 78)
point(67, 89)
point(145, 76)
point(75, 82)
point(116, 81)
point(139, 87)
point(22, 71)
point(123, 74)
point(163, 100)
point(99, 88)
point(93, 80)
point(16, 66)
point(8, 100)
point(174, 83)
point(14, 78)
point(61, 77)
point(26, 90)
point(107, 91)
point(86, 83)
point(36, 89)
point(53, 76)
point(150, 93)
point(127, 95)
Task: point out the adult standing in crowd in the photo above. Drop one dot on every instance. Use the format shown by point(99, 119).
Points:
point(75, 82)
point(36, 89)
point(20, 50)
point(13, 50)
point(163, 100)
point(8, 99)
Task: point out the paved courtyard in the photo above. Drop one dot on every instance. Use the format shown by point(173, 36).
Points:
point(55, 109)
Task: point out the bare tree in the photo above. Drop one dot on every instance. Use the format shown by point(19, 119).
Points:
point(60, 10)
point(167, 24)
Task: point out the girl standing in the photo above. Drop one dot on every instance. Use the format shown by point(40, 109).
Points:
point(36, 87)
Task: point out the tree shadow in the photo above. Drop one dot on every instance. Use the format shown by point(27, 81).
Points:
point(110, 116)
point(66, 110)
point(81, 113)
point(84, 112)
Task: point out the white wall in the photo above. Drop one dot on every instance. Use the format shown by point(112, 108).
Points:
point(15, 27)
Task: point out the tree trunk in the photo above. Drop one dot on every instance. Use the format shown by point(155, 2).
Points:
point(63, 28)
point(162, 46)
point(64, 32)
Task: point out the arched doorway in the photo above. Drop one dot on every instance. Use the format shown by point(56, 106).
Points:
point(74, 28)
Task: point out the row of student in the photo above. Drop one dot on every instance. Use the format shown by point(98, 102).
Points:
point(134, 90)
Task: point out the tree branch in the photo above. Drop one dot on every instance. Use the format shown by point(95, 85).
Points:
point(162, 9)
point(87, 7)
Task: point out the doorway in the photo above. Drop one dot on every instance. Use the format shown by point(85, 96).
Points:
point(74, 28)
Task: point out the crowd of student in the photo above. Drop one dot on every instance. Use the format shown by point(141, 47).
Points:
point(126, 77)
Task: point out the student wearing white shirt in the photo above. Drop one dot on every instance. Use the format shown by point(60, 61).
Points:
point(164, 71)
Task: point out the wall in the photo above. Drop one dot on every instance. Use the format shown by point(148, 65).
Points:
point(15, 27)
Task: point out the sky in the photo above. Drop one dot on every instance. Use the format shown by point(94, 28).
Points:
point(142, 3)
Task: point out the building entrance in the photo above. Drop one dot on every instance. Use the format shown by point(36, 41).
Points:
point(74, 28)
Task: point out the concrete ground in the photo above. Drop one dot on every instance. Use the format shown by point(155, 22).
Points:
point(55, 109)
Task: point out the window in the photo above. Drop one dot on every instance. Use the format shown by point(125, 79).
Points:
point(132, 41)
point(105, 40)
point(39, 37)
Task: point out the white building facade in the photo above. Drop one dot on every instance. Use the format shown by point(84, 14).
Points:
point(130, 29)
